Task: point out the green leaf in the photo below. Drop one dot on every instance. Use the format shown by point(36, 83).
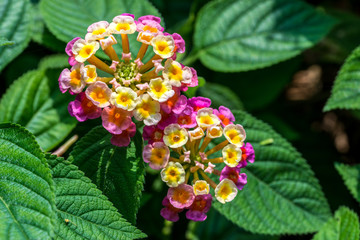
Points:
point(344, 226)
point(5, 42)
point(221, 96)
point(345, 93)
point(217, 227)
point(282, 194)
point(76, 16)
point(15, 26)
point(89, 214)
point(118, 172)
point(27, 199)
point(35, 102)
point(351, 177)
point(232, 35)
point(42, 35)
point(54, 61)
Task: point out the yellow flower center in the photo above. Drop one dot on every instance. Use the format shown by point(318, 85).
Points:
point(98, 95)
point(150, 29)
point(122, 26)
point(86, 51)
point(175, 72)
point(157, 157)
point(225, 191)
point(99, 31)
point(75, 77)
point(163, 47)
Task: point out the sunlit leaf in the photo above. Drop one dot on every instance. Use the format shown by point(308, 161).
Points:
point(233, 35)
point(118, 172)
point(351, 177)
point(344, 226)
point(15, 26)
point(35, 102)
point(83, 212)
point(345, 92)
point(27, 200)
point(282, 194)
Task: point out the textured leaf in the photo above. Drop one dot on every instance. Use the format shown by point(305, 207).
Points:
point(41, 33)
point(345, 93)
point(351, 177)
point(221, 96)
point(54, 61)
point(27, 200)
point(233, 35)
point(89, 214)
point(15, 26)
point(118, 172)
point(217, 227)
point(76, 16)
point(35, 102)
point(344, 226)
point(282, 194)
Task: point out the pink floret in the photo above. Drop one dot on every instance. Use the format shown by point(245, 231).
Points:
point(198, 103)
point(82, 108)
point(69, 52)
point(240, 179)
point(169, 212)
point(201, 205)
point(225, 115)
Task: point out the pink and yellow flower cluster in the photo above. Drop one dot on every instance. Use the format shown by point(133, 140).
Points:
point(197, 148)
point(195, 144)
point(119, 88)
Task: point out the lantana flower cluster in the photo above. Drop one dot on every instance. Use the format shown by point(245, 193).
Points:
point(202, 142)
point(198, 150)
point(122, 88)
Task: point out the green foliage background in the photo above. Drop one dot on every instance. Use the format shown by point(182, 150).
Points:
point(290, 63)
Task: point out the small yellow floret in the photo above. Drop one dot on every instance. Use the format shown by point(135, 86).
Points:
point(201, 187)
point(225, 191)
point(173, 175)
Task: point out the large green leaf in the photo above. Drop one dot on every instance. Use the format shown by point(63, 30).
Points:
point(27, 199)
point(118, 172)
point(221, 96)
point(35, 102)
point(232, 35)
point(41, 33)
point(83, 212)
point(15, 26)
point(218, 227)
point(54, 61)
point(351, 177)
point(76, 16)
point(344, 226)
point(345, 93)
point(282, 194)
